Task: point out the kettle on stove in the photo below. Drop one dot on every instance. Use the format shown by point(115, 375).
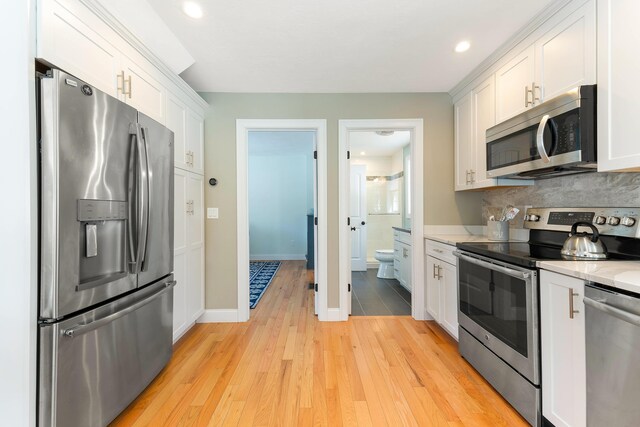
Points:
point(584, 246)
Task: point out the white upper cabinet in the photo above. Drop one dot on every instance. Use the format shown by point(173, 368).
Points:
point(514, 81)
point(618, 83)
point(176, 121)
point(463, 132)
point(188, 128)
point(484, 116)
point(141, 90)
point(195, 141)
point(566, 55)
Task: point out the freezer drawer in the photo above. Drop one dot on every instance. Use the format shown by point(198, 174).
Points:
point(93, 365)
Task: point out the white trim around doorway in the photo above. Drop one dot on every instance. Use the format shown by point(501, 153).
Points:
point(242, 165)
point(415, 126)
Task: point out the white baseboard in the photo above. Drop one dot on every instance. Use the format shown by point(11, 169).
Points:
point(333, 315)
point(219, 315)
point(372, 264)
point(180, 332)
point(278, 257)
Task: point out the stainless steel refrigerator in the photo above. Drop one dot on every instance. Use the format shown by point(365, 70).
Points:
point(106, 252)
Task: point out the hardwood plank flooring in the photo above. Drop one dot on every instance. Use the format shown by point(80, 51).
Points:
point(283, 367)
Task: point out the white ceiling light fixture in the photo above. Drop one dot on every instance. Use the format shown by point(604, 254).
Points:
point(463, 46)
point(192, 9)
point(362, 153)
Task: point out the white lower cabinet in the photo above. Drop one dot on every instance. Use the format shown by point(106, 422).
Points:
point(188, 300)
point(402, 258)
point(562, 325)
point(442, 286)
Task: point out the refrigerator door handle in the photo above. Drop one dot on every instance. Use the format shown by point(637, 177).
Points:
point(133, 263)
point(142, 199)
point(81, 329)
point(146, 195)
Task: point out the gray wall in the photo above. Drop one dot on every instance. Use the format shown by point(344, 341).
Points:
point(593, 189)
point(442, 206)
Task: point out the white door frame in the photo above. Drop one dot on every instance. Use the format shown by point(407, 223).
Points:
point(242, 166)
point(415, 127)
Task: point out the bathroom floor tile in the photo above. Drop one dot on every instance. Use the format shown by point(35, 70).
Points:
point(371, 296)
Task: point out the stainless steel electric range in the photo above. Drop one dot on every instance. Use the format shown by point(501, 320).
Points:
point(498, 293)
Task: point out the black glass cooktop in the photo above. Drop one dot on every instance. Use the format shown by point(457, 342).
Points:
point(519, 253)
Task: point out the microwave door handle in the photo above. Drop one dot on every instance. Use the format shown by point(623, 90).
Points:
point(540, 139)
point(523, 275)
point(131, 199)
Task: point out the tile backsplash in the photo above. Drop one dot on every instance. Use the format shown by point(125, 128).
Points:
point(582, 190)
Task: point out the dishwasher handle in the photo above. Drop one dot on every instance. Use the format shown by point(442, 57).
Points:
point(634, 319)
point(88, 327)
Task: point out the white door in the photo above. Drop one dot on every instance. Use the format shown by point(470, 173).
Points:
point(484, 113)
point(358, 215)
point(432, 279)
point(449, 298)
point(180, 253)
point(512, 82)
point(143, 91)
point(315, 227)
point(463, 142)
point(195, 247)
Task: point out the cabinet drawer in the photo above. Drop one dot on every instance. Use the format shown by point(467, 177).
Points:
point(402, 236)
point(440, 251)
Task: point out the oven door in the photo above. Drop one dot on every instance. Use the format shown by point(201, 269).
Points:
point(499, 307)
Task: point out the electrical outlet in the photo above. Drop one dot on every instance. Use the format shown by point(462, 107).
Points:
point(212, 213)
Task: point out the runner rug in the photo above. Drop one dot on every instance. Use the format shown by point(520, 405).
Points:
point(261, 274)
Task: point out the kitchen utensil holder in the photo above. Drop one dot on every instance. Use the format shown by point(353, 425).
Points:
point(498, 231)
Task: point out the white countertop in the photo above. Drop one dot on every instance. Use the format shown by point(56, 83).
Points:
point(618, 274)
point(452, 239)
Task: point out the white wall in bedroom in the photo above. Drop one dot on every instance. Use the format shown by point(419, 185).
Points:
point(17, 222)
point(280, 193)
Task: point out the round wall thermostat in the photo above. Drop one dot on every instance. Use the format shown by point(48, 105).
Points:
point(213, 181)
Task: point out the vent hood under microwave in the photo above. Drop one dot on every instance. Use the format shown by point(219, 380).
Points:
point(557, 137)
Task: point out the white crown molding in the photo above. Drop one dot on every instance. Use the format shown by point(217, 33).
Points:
point(130, 38)
point(510, 44)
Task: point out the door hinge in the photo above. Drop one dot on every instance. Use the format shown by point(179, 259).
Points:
point(315, 287)
point(315, 154)
point(315, 220)
point(349, 221)
point(348, 154)
point(349, 287)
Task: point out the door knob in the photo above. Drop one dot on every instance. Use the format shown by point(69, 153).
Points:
point(353, 229)
point(362, 223)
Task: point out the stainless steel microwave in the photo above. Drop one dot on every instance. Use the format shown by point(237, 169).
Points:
point(557, 137)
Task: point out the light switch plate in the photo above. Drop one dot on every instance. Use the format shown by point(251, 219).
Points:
point(212, 213)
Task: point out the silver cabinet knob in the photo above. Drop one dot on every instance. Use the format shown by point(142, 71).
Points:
point(614, 220)
point(600, 220)
point(627, 221)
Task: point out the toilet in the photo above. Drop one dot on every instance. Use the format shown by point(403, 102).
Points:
point(385, 257)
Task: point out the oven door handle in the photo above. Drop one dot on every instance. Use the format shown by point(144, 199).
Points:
point(523, 275)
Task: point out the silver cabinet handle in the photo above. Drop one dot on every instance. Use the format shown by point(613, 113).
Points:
point(526, 96)
point(438, 250)
point(88, 327)
point(615, 312)
point(128, 80)
point(571, 310)
point(473, 176)
point(534, 98)
point(540, 139)
point(121, 82)
point(439, 272)
point(435, 275)
point(467, 175)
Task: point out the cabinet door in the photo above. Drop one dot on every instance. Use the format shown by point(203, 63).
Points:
point(195, 248)
point(464, 150)
point(566, 55)
point(143, 91)
point(449, 298)
point(484, 116)
point(176, 121)
point(65, 41)
point(433, 287)
point(512, 81)
point(180, 254)
point(563, 350)
point(618, 83)
point(405, 271)
point(195, 141)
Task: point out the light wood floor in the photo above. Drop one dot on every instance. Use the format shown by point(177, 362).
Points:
point(283, 367)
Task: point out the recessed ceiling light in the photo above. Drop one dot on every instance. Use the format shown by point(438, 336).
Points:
point(463, 46)
point(192, 9)
point(362, 153)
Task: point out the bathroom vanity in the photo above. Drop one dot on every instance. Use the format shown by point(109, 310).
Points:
point(402, 256)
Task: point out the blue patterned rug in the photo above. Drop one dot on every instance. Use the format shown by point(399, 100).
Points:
point(261, 274)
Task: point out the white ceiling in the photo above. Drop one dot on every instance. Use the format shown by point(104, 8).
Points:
point(376, 145)
point(338, 46)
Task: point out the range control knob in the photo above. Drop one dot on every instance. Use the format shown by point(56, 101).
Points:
point(534, 217)
point(614, 220)
point(601, 220)
point(628, 222)
point(526, 217)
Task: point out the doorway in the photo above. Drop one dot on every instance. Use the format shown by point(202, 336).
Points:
point(381, 204)
point(261, 131)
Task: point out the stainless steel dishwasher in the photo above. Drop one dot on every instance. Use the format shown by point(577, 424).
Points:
point(613, 355)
